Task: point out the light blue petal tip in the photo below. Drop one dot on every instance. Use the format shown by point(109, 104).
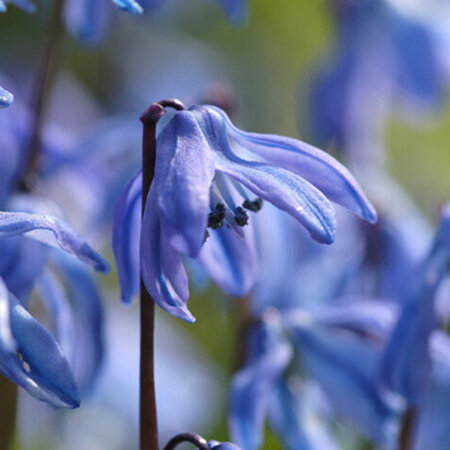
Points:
point(6, 98)
point(130, 6)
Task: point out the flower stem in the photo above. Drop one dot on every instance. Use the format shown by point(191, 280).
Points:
point(195, 439)
point(148, 416)
point(41, 88)
point(406, 436)
point(8, 394)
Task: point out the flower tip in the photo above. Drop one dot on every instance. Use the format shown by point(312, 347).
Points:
point(101, 265)
point(371, 215)
point(130, 6)
point(186, 315)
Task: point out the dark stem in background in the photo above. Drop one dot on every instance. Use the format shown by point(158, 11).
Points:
point(148, 418)
point(195, 439)
point(8, 412)
point(406, 437)
point(41, 88)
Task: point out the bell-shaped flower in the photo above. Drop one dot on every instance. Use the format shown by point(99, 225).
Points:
point(407, 361)
point(6, 98)
point(30, 357)
point(381, 55)
point(209, 178)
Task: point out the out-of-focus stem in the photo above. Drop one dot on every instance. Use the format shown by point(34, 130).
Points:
point(8, 411)
point(41, 88)
point(406, 437)
point(195, 439)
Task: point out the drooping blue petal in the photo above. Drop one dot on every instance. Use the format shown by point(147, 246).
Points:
point(6, 98)
point(87, 20)
point(25, 5)
point(2, 6)
point(125, 237)
point(407, 361)
point(320, 169)
point(346, 368)
point(294, 429)
point(269, 353)
point(52, 231)
point(215, 445)
point(433, 430)
point(236, 10)
point(161, 265)
point(88, 320)
point(129, 5)
point(6, 339)
point(37, 363)
point(21, 264)
point(417, 71)
point(184, 172)
point(55, 300)
point(230, 261)
point(280, 187)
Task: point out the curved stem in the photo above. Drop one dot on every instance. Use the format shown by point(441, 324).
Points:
point(41, 89)
point(195, 439)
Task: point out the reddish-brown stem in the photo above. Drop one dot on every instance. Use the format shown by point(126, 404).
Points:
point(406, 437)
point(148, 416)
point(41, 88)
point(8, 394)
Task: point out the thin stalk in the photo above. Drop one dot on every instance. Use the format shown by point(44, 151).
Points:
point(8, 411)
point(41, 88)
point(148, 415)
point(194, 439)
point(406, 437)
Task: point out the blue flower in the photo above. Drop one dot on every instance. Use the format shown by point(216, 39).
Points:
point(338, 348)
point(30, 357)
point(407, 361)
point(209, 176)
point(381, 54)
point(22, 266)
point(215, 445)
point(6, 98)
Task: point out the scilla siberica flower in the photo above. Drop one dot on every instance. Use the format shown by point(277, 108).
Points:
point(25, 5)
point(209, 176)
point(6, 98)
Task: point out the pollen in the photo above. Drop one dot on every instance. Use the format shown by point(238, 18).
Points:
point(254, 205)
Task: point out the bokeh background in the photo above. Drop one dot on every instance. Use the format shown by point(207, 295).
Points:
point(178, 51)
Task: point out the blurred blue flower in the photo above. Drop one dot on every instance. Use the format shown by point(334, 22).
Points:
point(215, 445)
point(407, 361)
point(208, 175)
point(6, 98)
point(337, 347)
point(381, 54)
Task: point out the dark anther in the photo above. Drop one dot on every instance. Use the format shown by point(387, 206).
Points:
point(241, 216)
point(254, 205)
point(216, 218)
point(195, 439)
point(205, 238)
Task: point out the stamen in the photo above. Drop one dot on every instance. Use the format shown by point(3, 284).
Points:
point(216, 217)
point(241, 216)
point(254, 205)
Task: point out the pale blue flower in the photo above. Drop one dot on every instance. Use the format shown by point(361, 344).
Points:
point(209, 175)
point(25, 5)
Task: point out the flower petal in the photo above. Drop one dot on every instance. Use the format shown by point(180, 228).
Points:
point(129, 5)
point(268, 355)
point(88, 320)
point(346, 368)
point(52, 231)
point(125, 237)
point(161, 265)
point(230, 261)
point(37, 363)
point(320, 169)
point(236, 10)
point(184, 173)
point(6, 98)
